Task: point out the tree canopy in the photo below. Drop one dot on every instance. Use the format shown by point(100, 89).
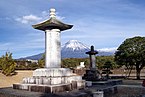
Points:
point(132, 53)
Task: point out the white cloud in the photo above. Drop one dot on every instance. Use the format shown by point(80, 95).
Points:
point(113, 49)
point(34, 44)
point(59, 17)
point(45, 14)
point(33, 18)
point(28, 19)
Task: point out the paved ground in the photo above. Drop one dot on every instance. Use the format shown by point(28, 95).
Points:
point(130, 88)
point(132, 82)
point(9, 92)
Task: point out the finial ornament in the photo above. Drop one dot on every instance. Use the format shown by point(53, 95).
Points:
point(92, 48)
point(52, 12)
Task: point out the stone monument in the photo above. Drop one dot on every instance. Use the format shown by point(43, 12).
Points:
point(92, 74)
point(52, 78)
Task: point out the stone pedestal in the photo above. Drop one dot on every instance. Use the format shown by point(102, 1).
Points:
point(52, 76)
point(91, 75)
point(51, 80)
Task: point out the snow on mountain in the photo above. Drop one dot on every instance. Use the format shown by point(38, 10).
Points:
point(106, 51)
point(76, 49)
point(74, 45)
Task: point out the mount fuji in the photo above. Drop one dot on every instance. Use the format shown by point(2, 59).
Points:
point(74, 49)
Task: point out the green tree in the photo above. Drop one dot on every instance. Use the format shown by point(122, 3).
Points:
point(74, 62)
point(7, 64)
point(108, 65)
point(100, 61)
point(107, 68)
point(132, 53)
point(41, 62)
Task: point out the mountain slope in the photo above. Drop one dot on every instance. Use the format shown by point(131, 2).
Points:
point(34, 57)
point(74, 49)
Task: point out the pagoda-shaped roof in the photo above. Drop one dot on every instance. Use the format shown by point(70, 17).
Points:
point(92, 51)
point(52, 23)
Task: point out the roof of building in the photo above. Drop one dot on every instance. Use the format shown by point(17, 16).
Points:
point(52, 23)
point(92, 51)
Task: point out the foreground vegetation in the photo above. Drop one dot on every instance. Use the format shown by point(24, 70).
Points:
point(8, 65)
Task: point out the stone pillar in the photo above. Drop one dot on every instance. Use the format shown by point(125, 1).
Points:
point(92, 74)
point(92, 54)
point(93, 62)
point(52, 48)
point(52, 28)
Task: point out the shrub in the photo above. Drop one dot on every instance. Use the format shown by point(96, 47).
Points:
point(7, 64)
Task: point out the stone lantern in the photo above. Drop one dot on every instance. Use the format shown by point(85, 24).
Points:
point(92, 74)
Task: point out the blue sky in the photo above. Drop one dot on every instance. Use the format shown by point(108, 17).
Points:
point(102, 23)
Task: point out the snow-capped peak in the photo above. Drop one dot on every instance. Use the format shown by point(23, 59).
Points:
point(74, 45)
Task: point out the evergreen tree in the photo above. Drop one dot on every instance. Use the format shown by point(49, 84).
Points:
point(132, 53)
point(7, 64)
point(41, 62)
point(107, 68)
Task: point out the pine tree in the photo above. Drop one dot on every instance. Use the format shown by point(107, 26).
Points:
point(7, 64)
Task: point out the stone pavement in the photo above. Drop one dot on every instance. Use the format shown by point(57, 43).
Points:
point(87, 92)
point(134, 89)
point(10, 92)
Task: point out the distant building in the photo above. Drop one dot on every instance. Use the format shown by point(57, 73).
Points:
point(81, 65)
point(33, 61)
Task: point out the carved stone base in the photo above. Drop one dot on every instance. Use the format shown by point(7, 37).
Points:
point(91, 75)
point(52, 76)
point(46, 88)
point(51, 80)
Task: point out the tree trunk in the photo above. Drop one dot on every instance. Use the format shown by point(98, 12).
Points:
point(130, 69)
point(138, 73)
